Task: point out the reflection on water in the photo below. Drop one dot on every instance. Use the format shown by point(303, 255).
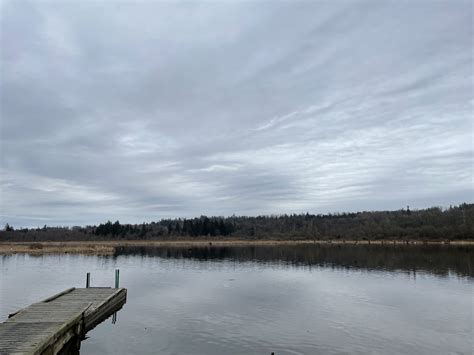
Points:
point(256, 300)
point(435, 259)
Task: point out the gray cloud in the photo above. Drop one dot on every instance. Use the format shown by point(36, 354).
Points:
point(142, 110)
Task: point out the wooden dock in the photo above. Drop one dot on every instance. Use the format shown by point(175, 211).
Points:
point(57, 324)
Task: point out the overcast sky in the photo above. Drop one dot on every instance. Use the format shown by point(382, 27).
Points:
point(143, 110)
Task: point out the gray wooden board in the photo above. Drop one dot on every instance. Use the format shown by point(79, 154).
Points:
point(33, 328)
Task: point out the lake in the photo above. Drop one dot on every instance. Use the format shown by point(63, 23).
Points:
point(302, 299)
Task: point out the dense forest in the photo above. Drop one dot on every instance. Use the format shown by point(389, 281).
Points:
point(453, 223)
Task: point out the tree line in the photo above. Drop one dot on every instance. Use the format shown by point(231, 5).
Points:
point(425, 224)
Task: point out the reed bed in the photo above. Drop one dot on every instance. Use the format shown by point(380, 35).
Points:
point(108, 247)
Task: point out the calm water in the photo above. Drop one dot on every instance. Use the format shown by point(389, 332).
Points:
point(258, 300)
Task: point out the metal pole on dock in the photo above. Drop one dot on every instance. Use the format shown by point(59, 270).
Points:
point(88, 280)
point(117, 278)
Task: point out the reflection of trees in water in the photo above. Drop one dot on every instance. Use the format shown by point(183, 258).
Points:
point(436, 259)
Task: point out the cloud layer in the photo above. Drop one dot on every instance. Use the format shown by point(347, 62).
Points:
point(143, 110)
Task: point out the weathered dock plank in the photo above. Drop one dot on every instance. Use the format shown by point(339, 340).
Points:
point(47, 326)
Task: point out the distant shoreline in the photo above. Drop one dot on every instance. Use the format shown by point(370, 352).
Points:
point(109, 247)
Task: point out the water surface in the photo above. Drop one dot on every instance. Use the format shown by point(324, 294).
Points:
point(257, 300)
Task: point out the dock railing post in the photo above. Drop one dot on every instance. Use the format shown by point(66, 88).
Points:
point(88, 280)
point(117, 278)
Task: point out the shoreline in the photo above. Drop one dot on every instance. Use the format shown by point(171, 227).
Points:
point(108, 247)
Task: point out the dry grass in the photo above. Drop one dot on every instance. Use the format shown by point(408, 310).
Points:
point(56, 248)
point(108, 247)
